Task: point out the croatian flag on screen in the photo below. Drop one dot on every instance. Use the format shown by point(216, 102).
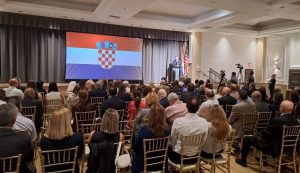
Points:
point(92, 56)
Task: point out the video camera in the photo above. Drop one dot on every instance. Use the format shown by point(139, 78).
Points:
point(239, 66)
point(222, 72)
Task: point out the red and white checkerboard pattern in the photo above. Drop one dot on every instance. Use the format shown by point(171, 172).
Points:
point(106, 58)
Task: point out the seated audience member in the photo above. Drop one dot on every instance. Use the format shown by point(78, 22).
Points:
point(277, 99)
point(186, 95)
point(135, 105)
point(126, 84)
point(233, 91)
point(81, 84)
point(176, 109)
point(175, 87)
point(30, 100)
point(40, 87)
point(162, 94)
point(98, 91)
point(156, 127)
point(219, 129)
point(294, 96)
point(73, 97)
point(142, 116)
point(197, 83)
point(210, 100)
point(59, 135)
point(260, 105)
point(251, 88)
point(2, 97)
point(53, 93)
point(13, 143)
point(12, 90)
point(113, 102)
point(31, 84)
point(263, 92)
point(22, 123)
point(186, 83)
point(71, 87)
point(243, 107)
point(220, 92)
point(297, 111)
point(90, 85)
point(251, 77)
point(19, 86)
point(202, 89)
point(82, 106)
point(122, 94)
point(102, 151)
point(190, 124)
point(269, 140)
point(227, 99)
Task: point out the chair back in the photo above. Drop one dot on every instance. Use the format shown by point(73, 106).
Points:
point(54, 102)
point(58, 161)
point(29, 112)
point(290, 136)
point(126, 130)
point(10, 164)
point(249, 124)
point(262, 121)
point(51, 108)
point(98, 102)
point(84, 118)
point(121, 114)
point(191, 146)
point(229, 142)
point(88, 128)
point(228, 110)
point(155, 154)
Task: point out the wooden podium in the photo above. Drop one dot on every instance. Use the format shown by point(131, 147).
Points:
point(173, 73)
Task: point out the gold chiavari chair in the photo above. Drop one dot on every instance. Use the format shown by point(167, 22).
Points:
point(51, 108)
point(54, 102)
point(262, 121)
point(222, 162)
point(190, 145)
point(59, 161)
point(155, 154)
point(29, 112)
point(287, 156)
point(228, 110)
point(121, 114)
point(84, 118)
point(98, 101)
point(10, 164)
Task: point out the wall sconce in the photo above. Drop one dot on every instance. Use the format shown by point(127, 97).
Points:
point(276, 66)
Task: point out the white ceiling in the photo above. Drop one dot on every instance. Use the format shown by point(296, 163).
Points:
point(246, 17)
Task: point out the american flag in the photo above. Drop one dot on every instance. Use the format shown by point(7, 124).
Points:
point(185, 60)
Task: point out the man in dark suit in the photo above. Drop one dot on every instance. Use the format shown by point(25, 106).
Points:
point(227, 99)
point(122, 94)
point(113, 102)
point(14, 143)
point(269, 140)
point(260, 105)
point(98, 91)
point(186, 95)
point(29, 100)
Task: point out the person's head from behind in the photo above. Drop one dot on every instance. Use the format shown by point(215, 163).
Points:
point(233, 74)
point(162, 93)
point(243, 94)
point(71, 86)
point(233, 87)
point(157, 120)
point(13, 82)
point(256, 96)
point(146, 91)
point(202, 88)
point(83, 95)
point(220, 89)
point(294, 96)
point(8, 115)
point(99, 84)
point(39, 85)
point(172, 98)
point(112, 91)
point(193, 104)
point(197, 81)
point(29, 93)
point(122, 87)
point(191, 87)
point(225, 91)
point(151, 98)
point(218, 119)
point(277, 98)
point(252, 85)
point(31, 84)
point(273, 76)
point(76, 90)
point(286, 107)
point(209, 93)
point(15, 101)
point(210, 86)
point(60, 124)
point(2, 94)
point(201, 82)
point(52, 87)
point(110, 122)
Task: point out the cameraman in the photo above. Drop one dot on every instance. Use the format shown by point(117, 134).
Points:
point(233, 79)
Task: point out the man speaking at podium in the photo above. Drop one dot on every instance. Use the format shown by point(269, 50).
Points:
point(176, 64)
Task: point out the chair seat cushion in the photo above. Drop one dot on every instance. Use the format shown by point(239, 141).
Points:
point(186, 167)
point(218, 161)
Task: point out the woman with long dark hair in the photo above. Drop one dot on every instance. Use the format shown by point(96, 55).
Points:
point(135, 105)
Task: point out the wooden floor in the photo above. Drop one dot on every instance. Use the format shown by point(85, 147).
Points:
point(235, 168)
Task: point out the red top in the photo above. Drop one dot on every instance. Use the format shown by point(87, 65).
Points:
point(132, 112)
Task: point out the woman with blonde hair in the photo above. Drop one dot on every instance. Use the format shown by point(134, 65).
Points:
point(59, 135)
point(156, 127)
point(218, 129)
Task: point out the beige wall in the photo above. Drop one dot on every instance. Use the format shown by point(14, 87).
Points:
point(260, 59)
point(196, 47)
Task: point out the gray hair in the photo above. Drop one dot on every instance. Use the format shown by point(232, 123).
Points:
point(173, 96)
point(162, 93)
point(8, 112)
point(209, 93)
point(99, 84)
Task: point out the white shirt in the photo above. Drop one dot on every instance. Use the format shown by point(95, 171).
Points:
point(25, 124)
point(207, 103)
point(2, 102)
point(13, 91)
point(190, 124)
point(53, 96)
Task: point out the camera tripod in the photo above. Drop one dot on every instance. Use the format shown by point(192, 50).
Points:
point(240, 76)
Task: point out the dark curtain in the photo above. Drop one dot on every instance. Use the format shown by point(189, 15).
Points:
point(32, 53)
point(157, 55)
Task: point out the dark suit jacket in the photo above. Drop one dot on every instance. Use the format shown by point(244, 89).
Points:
point(262, 107)
point(39, 111)
point(124, 96)
point(164, 102)
point(187, 95)
point(13, 143)
point(271, 137)
point(227, 100)
point(114, 102)
point(98, 93)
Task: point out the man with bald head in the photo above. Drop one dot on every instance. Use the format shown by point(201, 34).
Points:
point(227, 99)
point(260, 105)
point(12, 90)
point(269, 140)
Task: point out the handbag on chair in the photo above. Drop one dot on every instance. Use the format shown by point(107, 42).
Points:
point(123, 160)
